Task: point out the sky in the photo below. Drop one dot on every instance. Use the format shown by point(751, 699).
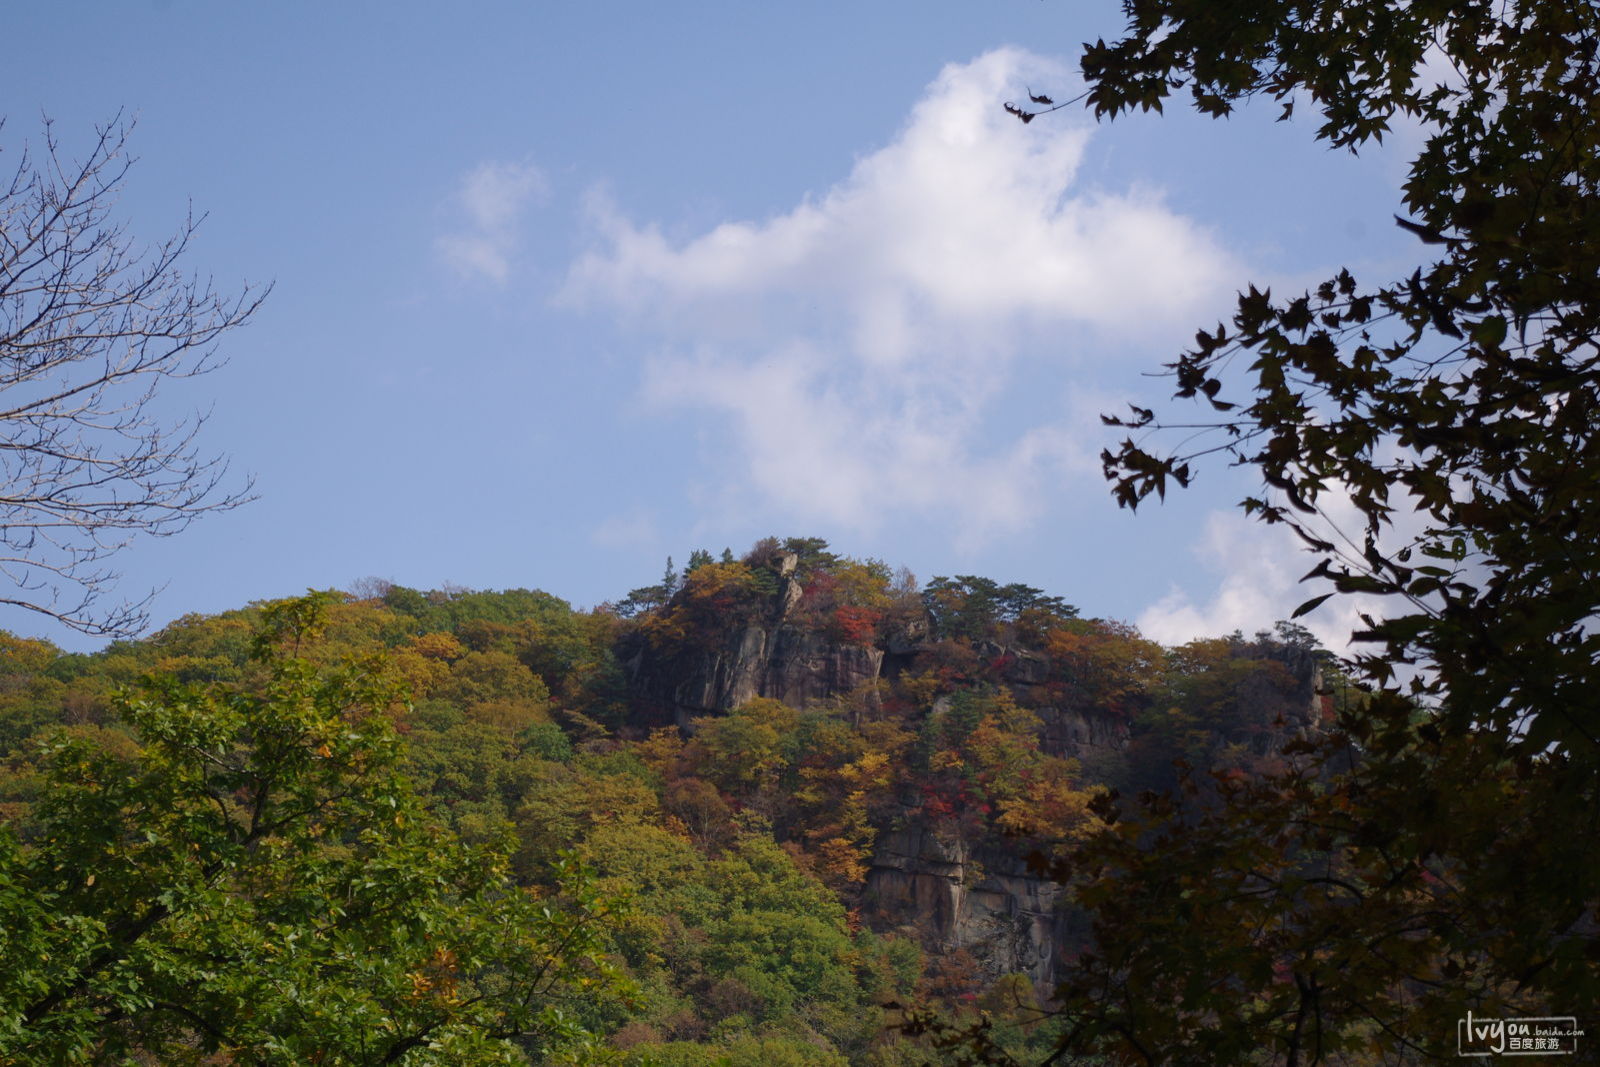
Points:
point(560, 291)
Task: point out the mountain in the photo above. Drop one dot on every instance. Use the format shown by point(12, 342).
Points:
point(827, 791)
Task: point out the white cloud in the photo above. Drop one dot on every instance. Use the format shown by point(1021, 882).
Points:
point(1258, 570)
point(854, 451)
point(492, 198)
point(859, 344)
point(1256, 580)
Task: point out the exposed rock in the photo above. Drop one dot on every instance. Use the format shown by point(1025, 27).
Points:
point(780, 659)
point(909, 639)
point(718, 680)
point(1018, 666)
point(946, 894)
point(1076, 732)
point(950, 898)
point(804, 667)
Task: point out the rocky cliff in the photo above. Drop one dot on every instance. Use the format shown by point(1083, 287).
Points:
point(951, 896)
point(980, 896)
point(766, 653)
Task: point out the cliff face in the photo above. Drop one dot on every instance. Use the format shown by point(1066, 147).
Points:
point(985, 900)
point(952, 897)
point(975, 896)
point(1074, 731)
point(770, 655)
point(774, 660)
point(948, 894)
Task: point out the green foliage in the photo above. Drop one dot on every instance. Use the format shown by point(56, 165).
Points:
point(255, 875)
point(474, 770)
point(649, 598)
point(743, 751)
point(545, 741)
point(451, 609)
point(564, 803)
point(759, 944)
point(974, 608)
point(482, 677)
point(811, 555)
point(784, 936)
point(743, 844)
point(982, 773)
point(1465, 394)
point(1456, 408)
point(769, 1051)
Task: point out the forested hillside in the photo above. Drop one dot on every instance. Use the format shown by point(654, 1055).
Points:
point(789, 808)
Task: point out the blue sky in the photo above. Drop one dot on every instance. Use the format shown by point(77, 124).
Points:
point(561, 290)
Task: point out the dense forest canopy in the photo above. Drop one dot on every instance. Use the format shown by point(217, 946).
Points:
point(462, 826)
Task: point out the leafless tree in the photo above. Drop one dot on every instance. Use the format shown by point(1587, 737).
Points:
point(370, 588)
point(92, 324)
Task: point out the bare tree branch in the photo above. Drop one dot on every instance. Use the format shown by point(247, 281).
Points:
point(91, 326)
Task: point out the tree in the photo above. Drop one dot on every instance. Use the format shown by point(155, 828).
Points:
point(92, 325)
point(1464, 397)
point(1106, 665)
point(1457, 410)
point(256, 881)
point(972, 607)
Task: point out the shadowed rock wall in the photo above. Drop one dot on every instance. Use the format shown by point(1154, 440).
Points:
point(947, 894)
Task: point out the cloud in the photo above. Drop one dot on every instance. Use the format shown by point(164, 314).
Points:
point(848, 452)
point(1257, 571)
point(492, 199)
point(859, 347)
point(1255, 584)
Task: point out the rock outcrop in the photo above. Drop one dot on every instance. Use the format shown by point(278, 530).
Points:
point(769, 655)
point(948, 894)
point(952, 897)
